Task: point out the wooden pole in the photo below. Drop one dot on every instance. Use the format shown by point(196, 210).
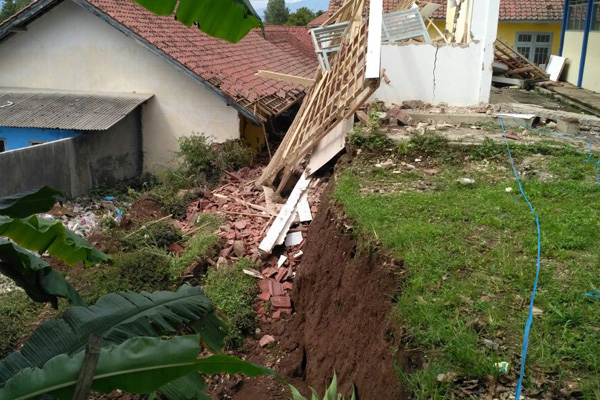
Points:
point(88, 368)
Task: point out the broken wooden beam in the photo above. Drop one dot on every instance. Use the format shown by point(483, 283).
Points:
point(300, 80)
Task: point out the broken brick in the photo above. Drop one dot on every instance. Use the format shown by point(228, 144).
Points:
point(275, 288)
point(287, 286)
point(265, 340)
point(277, 314)
point(264, 296)
point(281, 301)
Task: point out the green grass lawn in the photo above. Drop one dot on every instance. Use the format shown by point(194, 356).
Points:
point(470, 257)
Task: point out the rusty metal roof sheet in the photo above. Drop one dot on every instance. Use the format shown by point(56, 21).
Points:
point(57, 109)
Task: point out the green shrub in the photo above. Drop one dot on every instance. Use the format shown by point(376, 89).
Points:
point(17, 314)
point(137, 270)
point(200, 163)
point(158, 235)
point(233, 292)
point(237, 155)
point(174, 193)
point(370, 137)
point(367, 138)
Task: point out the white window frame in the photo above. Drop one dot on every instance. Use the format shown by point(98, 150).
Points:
point(534, 44)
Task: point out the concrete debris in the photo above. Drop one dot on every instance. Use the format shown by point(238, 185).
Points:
point(466, 181)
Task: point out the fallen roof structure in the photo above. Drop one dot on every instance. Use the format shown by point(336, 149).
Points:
point(335, 96)
point(352, 77)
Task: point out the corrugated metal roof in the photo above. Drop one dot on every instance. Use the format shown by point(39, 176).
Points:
point(56, 109)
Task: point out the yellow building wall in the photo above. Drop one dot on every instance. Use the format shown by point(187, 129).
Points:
point(591, 74)
point(507, 31)
point(572, 51)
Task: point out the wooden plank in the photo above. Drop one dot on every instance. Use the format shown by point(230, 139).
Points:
point(508, 81)
point(373, 58)
point(304, 214)
point(285, 77)
point(329, 146)
point(277, 232)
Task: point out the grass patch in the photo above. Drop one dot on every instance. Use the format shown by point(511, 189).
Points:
point(233, 292)
point(145, 269)
point(157, 235)
point(18, 313)
point(200, 247)
point(470, 253)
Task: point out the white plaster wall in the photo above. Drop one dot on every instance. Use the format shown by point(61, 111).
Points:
point(410, 69)
point(69, 48)
point(591, 73)
point(572, 51)
point(459, 75)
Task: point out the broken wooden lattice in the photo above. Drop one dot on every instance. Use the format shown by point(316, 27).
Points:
point(335, 96)
point(327, 110)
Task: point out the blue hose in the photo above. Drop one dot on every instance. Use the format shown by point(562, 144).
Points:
point(537, 274)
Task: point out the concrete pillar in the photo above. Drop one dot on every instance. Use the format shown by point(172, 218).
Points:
point(484, 28)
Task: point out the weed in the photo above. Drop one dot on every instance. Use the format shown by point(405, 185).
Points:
point(158, 235)
point(201, 163)
point(470, 256)
point(138, 270)
point(233, 292)
point(17, 315)
point(200, 247)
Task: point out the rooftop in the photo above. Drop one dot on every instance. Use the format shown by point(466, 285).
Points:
point(55, 109)
point(228, 68)
point(510, 10)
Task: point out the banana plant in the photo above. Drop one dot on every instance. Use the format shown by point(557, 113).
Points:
point(120, 317)
point(21, 232)
point(330, 394)
point(140, 365)
point(225, 19)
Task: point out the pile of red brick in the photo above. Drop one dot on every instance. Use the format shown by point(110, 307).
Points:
point(248, 218)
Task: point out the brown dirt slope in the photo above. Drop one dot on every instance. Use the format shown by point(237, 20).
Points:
point(342, 300)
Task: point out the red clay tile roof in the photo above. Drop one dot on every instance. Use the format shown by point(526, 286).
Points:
point(510, 10)
point(230, 68)
point(520, 10)
point(319, 20)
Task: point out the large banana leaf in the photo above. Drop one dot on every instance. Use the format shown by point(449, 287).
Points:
point(43, 235)
point(116, 317)
point(38, 279)
point(27, 203)
point(225, 19)
point(139, 365)
point(190, 387)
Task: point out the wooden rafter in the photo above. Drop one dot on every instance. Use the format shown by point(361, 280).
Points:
point(336, 95)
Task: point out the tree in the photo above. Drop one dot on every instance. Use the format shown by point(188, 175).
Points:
point(11, 7)
point(8, 8)
point(301, 17)
point(276, 13)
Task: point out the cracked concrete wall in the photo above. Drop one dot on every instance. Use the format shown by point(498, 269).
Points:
point(454, 74)
point(444, 74)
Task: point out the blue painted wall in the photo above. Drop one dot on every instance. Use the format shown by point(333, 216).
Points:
point(17, 138)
